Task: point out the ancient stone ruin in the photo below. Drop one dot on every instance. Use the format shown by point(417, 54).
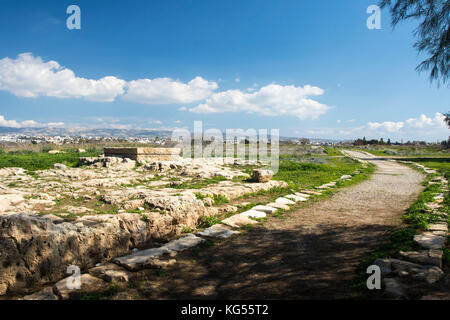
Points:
point(108, 205)
point(162, 154)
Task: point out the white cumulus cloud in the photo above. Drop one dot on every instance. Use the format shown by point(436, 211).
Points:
point(27, 123)
point(389, 126)
point(29, 76)
point(168, 91)
point(270, 100)
point(423, 121)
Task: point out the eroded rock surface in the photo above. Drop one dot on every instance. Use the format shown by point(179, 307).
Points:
point(82, 216)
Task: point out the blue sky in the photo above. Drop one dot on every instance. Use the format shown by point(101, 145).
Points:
point(309, 68)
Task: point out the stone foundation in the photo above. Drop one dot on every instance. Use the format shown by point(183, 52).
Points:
point(161, 154)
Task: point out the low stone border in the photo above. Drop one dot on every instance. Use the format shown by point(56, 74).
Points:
point(424, 265)
point(123, 269)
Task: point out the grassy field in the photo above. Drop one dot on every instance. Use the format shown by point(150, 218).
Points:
point(30, 160)
point(301, 175)
point(442, 165)
point(407, 151)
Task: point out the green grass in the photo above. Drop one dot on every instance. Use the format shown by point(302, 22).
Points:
point(332, 152)
point(442, 165)
point(208, 221)
point(418, 214)
point(201, 196)
point(32, 161)
point(187, 230)
point(410, 151)
point(300, 175)
point(198, 183)
point(220, 199)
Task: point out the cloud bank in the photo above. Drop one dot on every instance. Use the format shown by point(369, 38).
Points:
point(28, 76)
point(32, 77)
point(27, 123)
point(168, 91)
point(421, 128)
point(270, 100)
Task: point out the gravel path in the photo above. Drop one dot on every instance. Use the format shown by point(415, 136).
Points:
point(311, 254)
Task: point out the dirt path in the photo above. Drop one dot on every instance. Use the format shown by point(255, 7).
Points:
point(312, 253)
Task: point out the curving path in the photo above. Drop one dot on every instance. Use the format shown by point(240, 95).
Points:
point(311, 254)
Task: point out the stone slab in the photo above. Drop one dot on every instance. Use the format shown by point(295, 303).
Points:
point(295, 198)
point(217, 231)
point(284, 201)
point(141, 259)
point(427, 257)
point(312, 192)
point(89, 284)
point(327, 185)
point(110, 272)
point(438, 227)
point(278, 206)
point(266, 209)
point(44, 294)
point(303, 195)
point(427, 273)
point(253, 214)
point(186, 242)
point(238, 220)
point(429, 240)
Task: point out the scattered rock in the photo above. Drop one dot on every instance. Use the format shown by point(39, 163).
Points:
point(89, 284)
point(108, 162)
point(217, 231)
point(261, 175)
point(238, 220)
point(110, 272)
point(59, 166)
point(44, 294)
point(393, 288)
point(429, 274)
